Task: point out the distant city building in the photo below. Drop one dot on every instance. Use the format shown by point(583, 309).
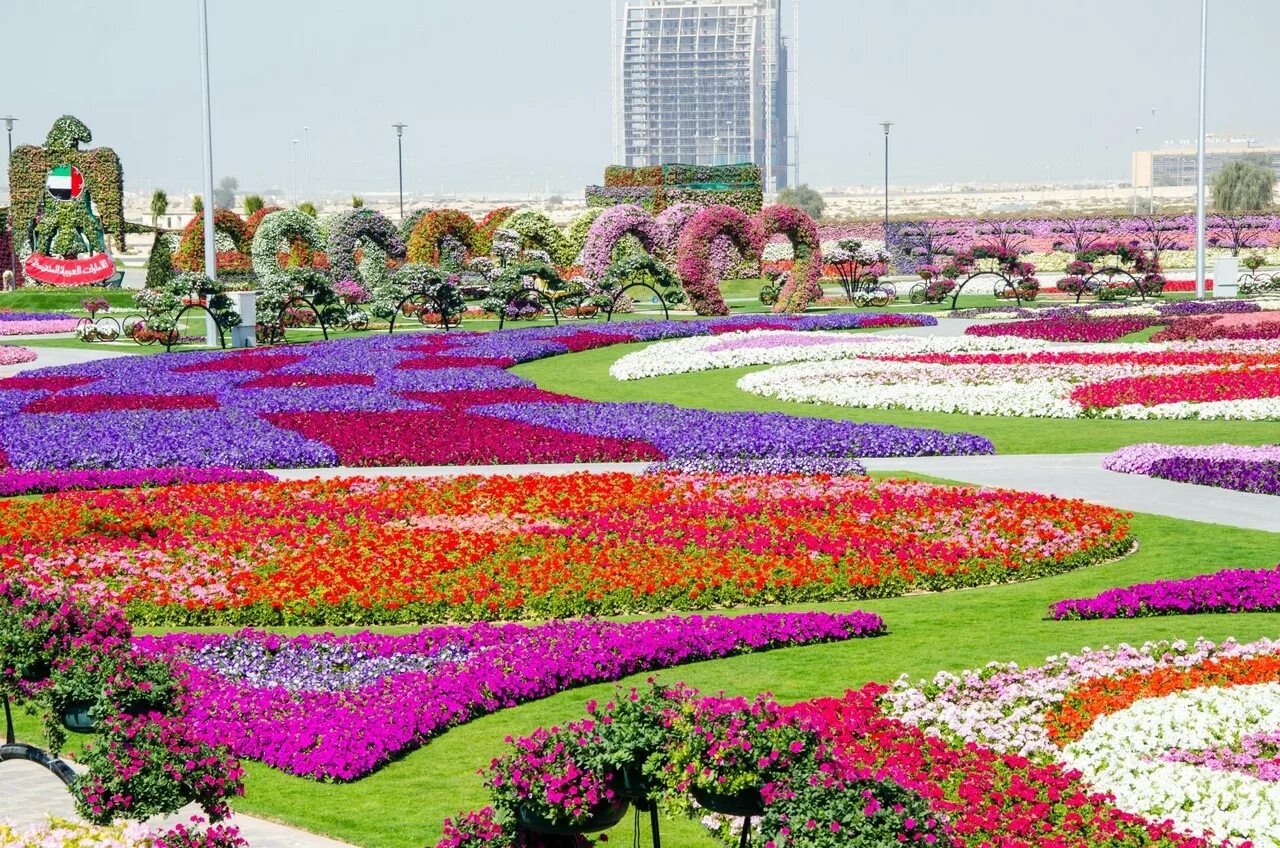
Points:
point(704, 82)
point(1176, 166)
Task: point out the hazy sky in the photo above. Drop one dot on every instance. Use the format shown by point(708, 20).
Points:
point(501, 95)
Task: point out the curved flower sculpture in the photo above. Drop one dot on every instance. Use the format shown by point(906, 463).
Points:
point(608, 229)
point(482, 238)
point(538, 232)
point(279, 285)
point(190, 253)
point(802, 285)
point(670, 222)
point(693, 253)
point(374, 234)
point(424, 241)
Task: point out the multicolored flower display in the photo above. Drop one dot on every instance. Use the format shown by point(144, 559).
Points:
point(13, 323)
point(609, 227)
point(693, 253)
point(802, 285)
point(398, 550)
point(1245, 469)
point(402, 400)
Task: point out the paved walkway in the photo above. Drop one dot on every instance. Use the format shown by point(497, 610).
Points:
point(29, 794)
point(1081, 475)
point(456, 470)
point(50, 356)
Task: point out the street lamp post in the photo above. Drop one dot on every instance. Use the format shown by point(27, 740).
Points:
point(210, 243)
point(13, 255)
point(1137, 131)
point(306, 161)
point(1204, 42)
point(400, 162)
point(1151, 183)
point(293, 171)
point(8, 125)
point(886, 125)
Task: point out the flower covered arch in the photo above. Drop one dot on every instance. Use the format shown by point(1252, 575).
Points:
point(610, 227)
point(369, 230)
point(693, 253)
point(424, 240)
point(802, 287)
point(190, 253)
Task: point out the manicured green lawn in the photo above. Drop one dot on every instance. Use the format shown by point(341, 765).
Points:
point(586, 374)
point(62, 301)
point(402, 805)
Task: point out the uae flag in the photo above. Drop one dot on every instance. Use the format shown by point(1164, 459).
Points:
point(65, 182)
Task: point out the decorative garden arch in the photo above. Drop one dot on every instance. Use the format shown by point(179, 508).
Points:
point(510, 288)
point(1013, 278)
point(482, 239)
point(190, 253)
point(1133, 271)
point(283, 287)
point(640, 272)
point(610, 227)
point(802, 286)
point(370, 230)
point(424, 290)
point(693, 253)
point(424, 240)
point(538, 232)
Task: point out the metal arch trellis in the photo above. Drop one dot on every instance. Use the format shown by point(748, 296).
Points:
point(1253, 283)
point(174, 339)
point(620, 293)
point(1010, 285)
point(275, 331)
point(12, 749)
point(1106, 276)
point(427, 301)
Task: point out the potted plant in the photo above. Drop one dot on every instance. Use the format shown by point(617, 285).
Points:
point(632, 732)
point(1253, 262)
point(546, 783)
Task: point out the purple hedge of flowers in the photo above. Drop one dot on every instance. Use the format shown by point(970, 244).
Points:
point(338, 707)
point(1228, 591)
point(1242, 468)
point(312, 405)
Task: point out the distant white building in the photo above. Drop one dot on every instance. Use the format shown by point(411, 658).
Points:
point(704, 82)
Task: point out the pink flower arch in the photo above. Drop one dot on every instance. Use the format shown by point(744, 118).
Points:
point(693, 253)
point(608, 229)
point(802, 286)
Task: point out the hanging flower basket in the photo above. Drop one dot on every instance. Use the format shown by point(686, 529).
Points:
point(605, 815)
point(746, 802)
point(36, 672)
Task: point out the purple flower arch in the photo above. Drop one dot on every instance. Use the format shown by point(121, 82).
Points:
point(608, 229)
point(693, 253)
point(802, 285)
point(670, 222)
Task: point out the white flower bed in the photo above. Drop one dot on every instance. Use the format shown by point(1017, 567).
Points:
point(1121, 754)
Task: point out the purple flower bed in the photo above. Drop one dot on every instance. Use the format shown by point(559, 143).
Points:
point(1242, 468)
point(338, 707)
point(14, 482)
point(1231, 590)
point(1254, 754)
point(690, 434)
point(221, 409)
point(34, 316)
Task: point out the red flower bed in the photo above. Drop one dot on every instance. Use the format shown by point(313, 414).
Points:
point(435, 363)
point(115, 403)
point(1209, 327)
point(1201, 387)
point(51, 384)
point(244, 362)
point(451, 438)
point(308, 381)
point(590, 339)
point(465, 399)
point(1059, 330)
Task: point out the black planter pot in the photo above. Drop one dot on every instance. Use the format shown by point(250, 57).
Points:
point(603, 817)
point(629, 782)
point(76, 717)
point(747, 802)
point(37, 673)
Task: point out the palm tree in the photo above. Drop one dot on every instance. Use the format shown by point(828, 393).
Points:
point(159, 206)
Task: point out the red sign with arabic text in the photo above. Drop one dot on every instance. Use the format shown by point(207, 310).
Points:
point(55, 271)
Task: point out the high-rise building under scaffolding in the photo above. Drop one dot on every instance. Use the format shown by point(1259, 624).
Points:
point(705, 82)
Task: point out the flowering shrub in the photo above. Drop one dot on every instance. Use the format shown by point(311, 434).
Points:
point(802, 286)
point(339, 707)
point(276, 562)
point(694, 253)
point(424, 240)
point(536, 231)
point(190, 253)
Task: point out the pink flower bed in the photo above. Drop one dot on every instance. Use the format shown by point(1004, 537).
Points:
point(10, 355)
point(1058, 330)
point(1201, 387)
point(38, 328)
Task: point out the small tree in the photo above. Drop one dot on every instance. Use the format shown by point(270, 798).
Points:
point(306, 207)
point(1245, 185)
point(197, 204)
point(252, 204)
point(357, 202)
point(159, 264)
point(159, 206)
point(224, 196)
point(803, 198)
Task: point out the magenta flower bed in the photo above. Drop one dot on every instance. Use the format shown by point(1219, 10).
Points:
point(15, 482)
point(1231, 590)
point(338, 707)
point(1060, 330)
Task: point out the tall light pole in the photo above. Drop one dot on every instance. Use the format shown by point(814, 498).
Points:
point(210, 244)
point(1151, 183)
point(1137, 131)
point(306, 161)
point(293, 171)
point(1204, 45)
point(400, 162)
point(13, 256)
point(886, 125)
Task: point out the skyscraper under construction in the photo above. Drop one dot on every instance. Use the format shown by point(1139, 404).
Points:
point(705, 82)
